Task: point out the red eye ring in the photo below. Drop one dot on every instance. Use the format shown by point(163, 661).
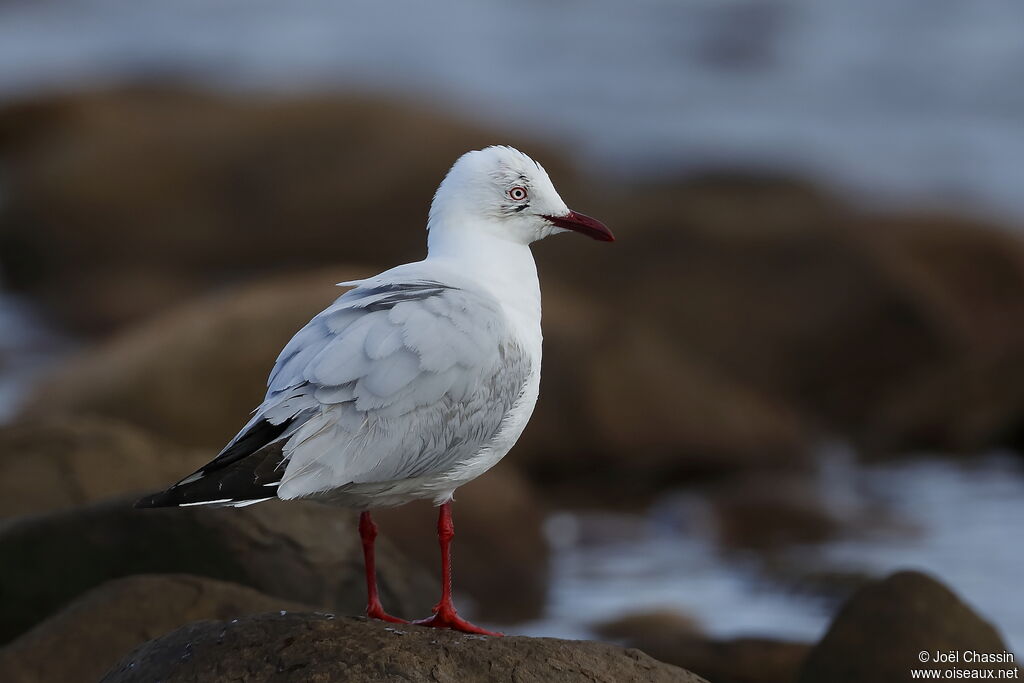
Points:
point(517, 193)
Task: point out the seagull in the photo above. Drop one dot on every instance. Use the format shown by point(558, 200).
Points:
point(415, 381)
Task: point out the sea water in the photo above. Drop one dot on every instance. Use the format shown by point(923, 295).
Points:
point(957, 520)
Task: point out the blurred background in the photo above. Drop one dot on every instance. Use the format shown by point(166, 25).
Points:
point(799, 369)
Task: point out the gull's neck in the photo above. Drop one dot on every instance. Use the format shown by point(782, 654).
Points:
point(504, 268)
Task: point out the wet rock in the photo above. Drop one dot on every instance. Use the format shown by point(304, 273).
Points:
point(192, 375)
point(60, 462)
point(500, 553)
point(95, 631)
point(676, 639)
point(137, 199)
point(879, 633)
point(303, 552)
point(298, 647)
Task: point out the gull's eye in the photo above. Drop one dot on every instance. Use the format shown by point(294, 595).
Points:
point(517, 193)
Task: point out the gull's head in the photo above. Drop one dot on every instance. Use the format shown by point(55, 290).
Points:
point(501, 192)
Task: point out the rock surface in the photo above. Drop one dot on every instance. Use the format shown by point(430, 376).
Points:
point(676, 639)
point(879, 633)
point(310, 647)
point(303, 552)
point(99, 628)
point(61, 462)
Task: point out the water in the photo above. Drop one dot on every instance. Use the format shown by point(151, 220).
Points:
point(958, 521)
point(28, 348)
point(915, 102)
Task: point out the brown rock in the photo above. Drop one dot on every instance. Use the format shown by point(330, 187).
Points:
point(971, 276)
point(674, 638)
point(773, 286)
point(879, 633)
point(500, 554)
point(137, 199)
point(769, 511)
point(95, 631)
point(648, 627)
point(193, 375)
point(297, 647)
point(62, 462)
point(740, 660)
point(969, 272)
point(303, 552)
point(972, 404)
point(627, 410)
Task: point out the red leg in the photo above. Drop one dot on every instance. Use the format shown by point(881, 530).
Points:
point(444, 612)
point(368, 534)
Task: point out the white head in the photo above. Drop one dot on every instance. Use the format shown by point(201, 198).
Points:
point(500, 192)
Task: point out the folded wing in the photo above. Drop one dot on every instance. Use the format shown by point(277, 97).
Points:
point(393, 381)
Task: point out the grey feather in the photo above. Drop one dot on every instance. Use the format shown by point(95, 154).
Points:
point(391, 382)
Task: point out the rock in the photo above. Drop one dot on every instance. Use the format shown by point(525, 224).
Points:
point(136, 199)
point(310, 647)
point(192, 375)
point(648, 627)
point(500, 553)
point(767, 512)
point(785, 292)
point(739, 660)
point(676, 639)
point(973, 404)
point(758, 311)
point(61, 462)
point(971, 274)
point(878, 634)
point(625, 411)
point(302, 552)
point(649, 396)
point(99, 628)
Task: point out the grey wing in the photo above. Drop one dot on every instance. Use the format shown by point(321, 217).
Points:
point(406, 379)
point(389, 383)
point(392, 381)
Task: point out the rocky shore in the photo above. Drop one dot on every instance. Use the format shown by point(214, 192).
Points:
point(146, 224)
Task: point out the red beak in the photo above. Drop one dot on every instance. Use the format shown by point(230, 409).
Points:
point(591, 227)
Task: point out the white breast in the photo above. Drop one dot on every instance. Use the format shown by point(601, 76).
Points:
point(511, 429)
